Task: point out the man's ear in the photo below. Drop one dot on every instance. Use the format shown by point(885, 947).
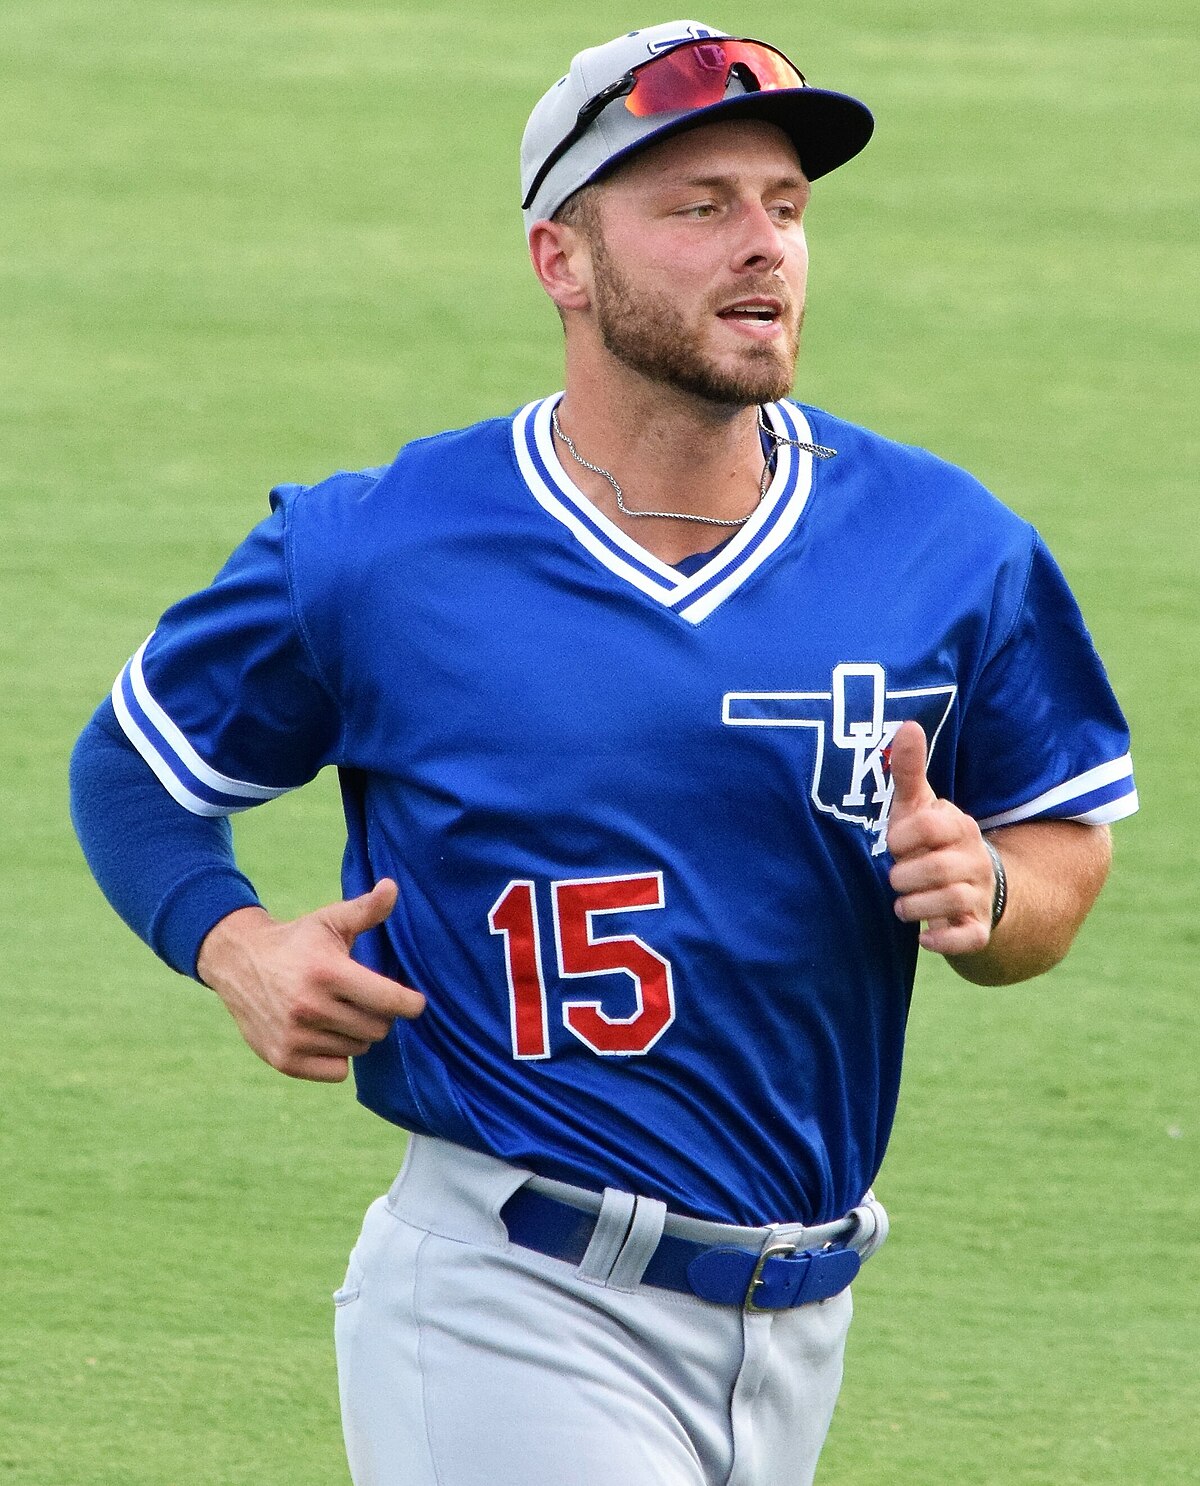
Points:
point(562, 260)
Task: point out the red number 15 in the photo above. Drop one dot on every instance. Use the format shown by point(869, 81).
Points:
point(581, 953)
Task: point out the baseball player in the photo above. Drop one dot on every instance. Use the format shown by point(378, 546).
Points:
point(671, 717)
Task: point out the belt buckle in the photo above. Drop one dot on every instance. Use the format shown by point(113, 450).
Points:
point(772, 1251)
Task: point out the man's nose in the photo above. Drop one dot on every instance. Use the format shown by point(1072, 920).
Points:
point(761, 245)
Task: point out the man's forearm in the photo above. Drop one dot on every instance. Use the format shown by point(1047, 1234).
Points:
point(170, 875)
point(1055, 870)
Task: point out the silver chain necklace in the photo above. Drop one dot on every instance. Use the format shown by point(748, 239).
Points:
point(818, 451)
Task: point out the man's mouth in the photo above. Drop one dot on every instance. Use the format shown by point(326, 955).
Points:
point(753, 312)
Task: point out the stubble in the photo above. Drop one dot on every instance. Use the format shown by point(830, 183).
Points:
point(645, 333)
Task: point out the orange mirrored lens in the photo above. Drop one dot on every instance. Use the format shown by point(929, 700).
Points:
point(696, 75)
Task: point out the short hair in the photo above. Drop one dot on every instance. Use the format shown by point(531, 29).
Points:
point(581, 211)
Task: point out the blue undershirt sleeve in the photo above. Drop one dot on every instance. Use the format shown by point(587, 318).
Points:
point(171, 875)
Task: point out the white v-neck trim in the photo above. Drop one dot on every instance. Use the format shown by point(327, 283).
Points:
point(693, 597)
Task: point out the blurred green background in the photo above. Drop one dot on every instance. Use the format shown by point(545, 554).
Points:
point(253, 241)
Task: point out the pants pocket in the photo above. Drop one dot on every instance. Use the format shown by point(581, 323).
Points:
point(351, 1287)
point(373, 1225)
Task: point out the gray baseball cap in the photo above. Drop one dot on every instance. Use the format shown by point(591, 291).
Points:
point(575, 134)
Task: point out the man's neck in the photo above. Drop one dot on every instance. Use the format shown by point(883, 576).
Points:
point(667, 452)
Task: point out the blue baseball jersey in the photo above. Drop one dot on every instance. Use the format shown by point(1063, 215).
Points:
point(637, 815)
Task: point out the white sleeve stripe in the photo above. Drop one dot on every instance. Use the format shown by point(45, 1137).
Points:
point(1104, 815)
point(192, 762)
point(1073, 789)
point(157, 763)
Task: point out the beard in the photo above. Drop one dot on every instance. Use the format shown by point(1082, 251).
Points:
point(647, 334)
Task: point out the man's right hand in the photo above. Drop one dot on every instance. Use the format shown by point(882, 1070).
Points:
point(301, 1002)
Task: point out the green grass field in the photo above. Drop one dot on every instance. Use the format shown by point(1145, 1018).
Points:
point(244, 242)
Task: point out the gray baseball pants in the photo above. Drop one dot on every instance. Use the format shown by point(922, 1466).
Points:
point(466, 1360)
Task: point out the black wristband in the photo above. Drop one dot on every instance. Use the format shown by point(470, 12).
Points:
point(1000, 896)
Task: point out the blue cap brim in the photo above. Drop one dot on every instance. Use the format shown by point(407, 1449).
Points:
point(826, 129)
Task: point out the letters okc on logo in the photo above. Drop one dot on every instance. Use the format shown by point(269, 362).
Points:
point(855, 722)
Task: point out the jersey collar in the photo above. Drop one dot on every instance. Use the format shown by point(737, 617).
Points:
point(693, 597)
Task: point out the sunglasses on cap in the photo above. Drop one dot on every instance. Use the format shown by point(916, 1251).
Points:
point(692, 75)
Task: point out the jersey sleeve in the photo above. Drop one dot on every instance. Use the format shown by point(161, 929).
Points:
point(1043, 736)
point(225, 701)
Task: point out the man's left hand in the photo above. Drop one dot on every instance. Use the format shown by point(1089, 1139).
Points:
point(943, 874)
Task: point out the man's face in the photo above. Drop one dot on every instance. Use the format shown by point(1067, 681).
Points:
point(700, 263)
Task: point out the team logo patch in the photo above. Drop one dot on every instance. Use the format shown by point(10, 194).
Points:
point(854, 723)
